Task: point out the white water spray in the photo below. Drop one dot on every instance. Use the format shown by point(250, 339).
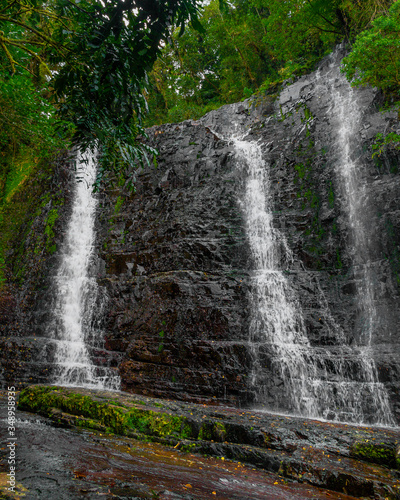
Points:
point(77, 293)
point(346, 109)
point(335, 384)
point(276, 318)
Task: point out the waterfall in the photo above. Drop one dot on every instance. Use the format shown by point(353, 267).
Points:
point(276, 319)
point(346, 108)
point(347, 111)
point(336, 383)
point(78, 302)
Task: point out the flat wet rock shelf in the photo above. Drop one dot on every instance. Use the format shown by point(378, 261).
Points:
point(340, 460)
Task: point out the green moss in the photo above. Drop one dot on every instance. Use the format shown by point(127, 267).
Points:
point(91, 413)
point(25, 191)
point(206, 431)
point(378, 453)
point(15, 174)
point(118, 205)
point(310, 193)
point(212, 431)
point(161, 345)
point(189, 448)
point(301, 170)
point(49, 230)
point(45, 200)
point(20, 169)
point(160, 424)
point(220, 432)
point(90, 424)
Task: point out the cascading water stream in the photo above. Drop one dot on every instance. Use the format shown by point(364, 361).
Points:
point(314, 381)
point(345, 107)
point(347, 111)
point(77, 297)
point(276, 315)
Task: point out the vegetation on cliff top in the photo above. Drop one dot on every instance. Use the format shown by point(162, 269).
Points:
point(253, 46)
point(86, 64)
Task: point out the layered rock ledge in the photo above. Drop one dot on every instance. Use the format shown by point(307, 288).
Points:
point(363, 462)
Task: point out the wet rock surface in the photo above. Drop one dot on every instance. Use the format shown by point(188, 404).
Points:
point(301, 458)
point(178, 264)
point(42, 209)
point(175, 263)
point(77, 463)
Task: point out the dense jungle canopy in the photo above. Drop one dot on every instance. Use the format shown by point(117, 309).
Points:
point(94, 72)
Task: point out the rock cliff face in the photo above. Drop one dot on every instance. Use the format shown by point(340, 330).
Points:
point(38, 215)
point(177, 258)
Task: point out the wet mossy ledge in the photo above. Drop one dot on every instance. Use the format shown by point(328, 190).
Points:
point(109, 415)
point(363, 462)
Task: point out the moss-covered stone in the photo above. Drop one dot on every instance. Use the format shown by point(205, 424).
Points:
point(220, 431)
point(213, 431)
point(377, 453)
point(49, 230)
point(206, 431)
point(28, 215)
point(99, 415)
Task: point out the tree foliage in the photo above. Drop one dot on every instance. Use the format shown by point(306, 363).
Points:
point(375, 55)
point(299, 27)
point(89, 59)
point(26, 118)
point(200, 71)
point(375, 60)
point(93, 55)
point(250, 46)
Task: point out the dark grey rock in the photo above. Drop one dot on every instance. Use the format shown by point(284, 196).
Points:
point(176, 263)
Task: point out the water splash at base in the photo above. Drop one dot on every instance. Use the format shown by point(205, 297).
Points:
point(78, 303)
point(337, 384)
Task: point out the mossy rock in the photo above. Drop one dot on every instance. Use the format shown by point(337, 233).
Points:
point(89, 413)
point(375, 452)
